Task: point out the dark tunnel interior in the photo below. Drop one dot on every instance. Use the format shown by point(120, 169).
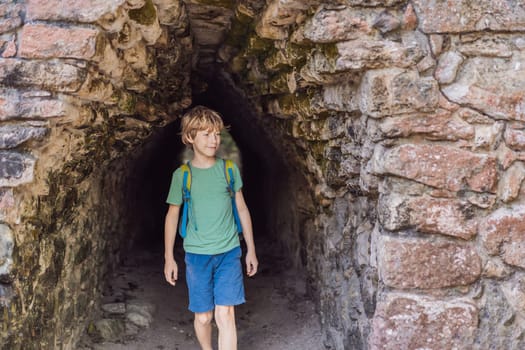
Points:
point(265, 175)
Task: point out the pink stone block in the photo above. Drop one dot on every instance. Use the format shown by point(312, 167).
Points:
point(10, 49)
point(503, 233)
point(456, 16)
point(446, 216)
point(73, 10)
point(441, 125)
point(417, 263)
point(48, 41)
point(409, 322)
point(515, 139)
point(9, 24)
point(442, 167)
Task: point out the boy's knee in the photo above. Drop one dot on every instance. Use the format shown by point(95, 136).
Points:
point(204, 318)
point(224, 315)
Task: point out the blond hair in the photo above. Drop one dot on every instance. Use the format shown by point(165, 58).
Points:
point(197, 119)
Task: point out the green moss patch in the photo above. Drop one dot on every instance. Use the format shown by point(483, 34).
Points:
point(145, 15)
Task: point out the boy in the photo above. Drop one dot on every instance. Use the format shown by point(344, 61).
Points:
point(213, 267)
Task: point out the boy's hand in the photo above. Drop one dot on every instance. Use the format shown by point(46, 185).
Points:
point(171, 271)
point(251, 264)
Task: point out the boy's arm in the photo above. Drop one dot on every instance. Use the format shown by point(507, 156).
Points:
point(170, 234)
point(247, 231)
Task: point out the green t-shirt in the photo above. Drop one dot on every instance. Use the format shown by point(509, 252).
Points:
point(216, 231)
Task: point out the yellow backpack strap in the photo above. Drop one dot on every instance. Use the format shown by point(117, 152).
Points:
point(228, 172)
point(186, 176)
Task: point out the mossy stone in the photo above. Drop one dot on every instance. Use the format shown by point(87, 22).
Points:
point(296, 104)
point(279, 84)
point(145, 15)
point(229, 4)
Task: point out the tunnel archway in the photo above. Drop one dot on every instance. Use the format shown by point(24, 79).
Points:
point(272, 181)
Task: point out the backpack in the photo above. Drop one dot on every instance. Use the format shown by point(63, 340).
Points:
point(186, 196)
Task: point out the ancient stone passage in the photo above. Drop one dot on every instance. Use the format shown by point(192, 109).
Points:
point(389, 133)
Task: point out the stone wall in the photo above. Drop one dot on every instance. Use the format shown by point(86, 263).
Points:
point(409, 116)
point(79, 93)
point(406, 119)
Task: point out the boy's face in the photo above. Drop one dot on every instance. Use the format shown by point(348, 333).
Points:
point(206, 142)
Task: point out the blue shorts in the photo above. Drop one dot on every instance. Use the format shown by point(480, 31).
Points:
point(214, 280)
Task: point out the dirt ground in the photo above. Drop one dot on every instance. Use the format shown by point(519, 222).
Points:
point(277, 315)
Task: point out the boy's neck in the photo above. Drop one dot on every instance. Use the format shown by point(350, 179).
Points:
point(200, 161)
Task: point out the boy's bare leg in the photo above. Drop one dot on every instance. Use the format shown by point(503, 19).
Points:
point(202, 326)
point(225, 318)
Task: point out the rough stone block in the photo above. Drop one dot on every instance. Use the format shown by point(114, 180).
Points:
point(499, 325)
point(514, 291)
point(49, 41)
point(491, 46)
point(16, 105)
point(114, 308)
point(352, 57)
point(503, 233)
point(16, 134)
point(367, 53)
point(456, 16)
point(334, 25)
point(320, 70)
point(409, 18)
point(441, 125)
point(409, 323)
point(150, 33)
point(496, 269)
point(6, 294)
point(10, 49)
point(438, 166)
point(10, 16)
point(510, 183)
point(7, 203)
point(51, 75)
point(417, 263)
point(387, 21)
point(277, 16)
point(170, 12)
point(138, 319)
point(135, 4)
point(492, 85)
point(373, 2)
point(448, 65)
point(445, 216)
point(110, 329)
point(97, 89)
point(488, 136)
point(319, 130)
point(140, 314)
point(9, 24)
point(15, 168)
point(341, 97)
point(515, 139)
point(70, 10)
point(395, 91)
point(6, 252)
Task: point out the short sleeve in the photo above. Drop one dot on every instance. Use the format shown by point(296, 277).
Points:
point(237, 178)
point(175, 193)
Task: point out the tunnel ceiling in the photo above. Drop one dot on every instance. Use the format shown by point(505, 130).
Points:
point(210, 24)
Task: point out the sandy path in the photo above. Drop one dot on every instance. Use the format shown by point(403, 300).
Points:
point(277, 314)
